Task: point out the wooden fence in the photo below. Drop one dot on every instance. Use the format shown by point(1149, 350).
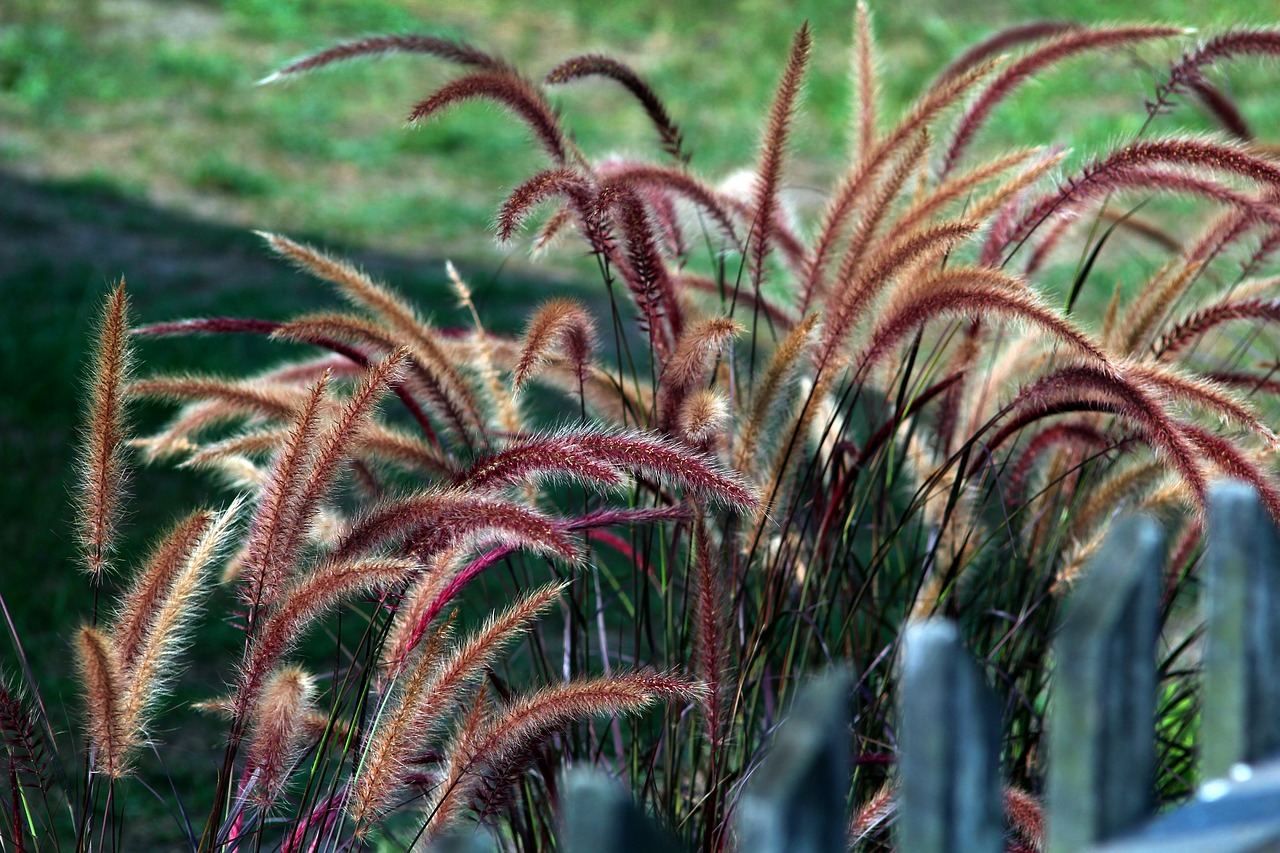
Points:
point(1100, 727)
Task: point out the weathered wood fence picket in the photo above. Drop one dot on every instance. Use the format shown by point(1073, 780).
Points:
point(1101, 725)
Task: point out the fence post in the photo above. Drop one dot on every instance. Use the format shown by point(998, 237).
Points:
point(797, 800)
point(1240, 686)
point(1102, 707)
point(949, 795)
point(599, 816)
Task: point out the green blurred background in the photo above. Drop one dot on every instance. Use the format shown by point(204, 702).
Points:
point(134, 142)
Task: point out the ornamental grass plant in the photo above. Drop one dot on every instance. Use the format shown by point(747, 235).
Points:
point(626, 538)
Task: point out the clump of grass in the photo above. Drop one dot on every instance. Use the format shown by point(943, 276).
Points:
point(799, 431)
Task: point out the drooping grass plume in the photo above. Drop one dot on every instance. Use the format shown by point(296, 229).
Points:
point(1190, 329)
point(430, 693)
point(854, 297)
point(971, 292)
point(509, 729)
point(723, 212)
point(1189, 71)
point(1069, 44)
point(454, 51)
point(561, 322)
point(1136, 401)
point(514, 93)
point(326, 586)
point(1205, 395)
point(436, 519)
point(1002, 42)
point(536, 459)
point(857, 183)
point(603, 66)
point(103, 471)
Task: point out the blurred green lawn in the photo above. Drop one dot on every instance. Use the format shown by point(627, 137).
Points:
point(133, 141)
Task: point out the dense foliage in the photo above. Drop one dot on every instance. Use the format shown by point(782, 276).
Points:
point(625, 539)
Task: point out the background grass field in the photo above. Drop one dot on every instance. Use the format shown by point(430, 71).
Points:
point(133, 142)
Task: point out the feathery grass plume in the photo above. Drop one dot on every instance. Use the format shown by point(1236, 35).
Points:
point(865, 72)
point(26, 746)
point(564, 183)
point(333, 447)
point(595, 65)
point(444, 48)
point(305, 600)
point(1231, 158)
point(721, 210)
point(873, 816)
point(1189, 71)
point(1002, 42)
point(535, 459)
point(216, 402)
point(1164, 493)
point(1203, 393)
point(858, 182)
point(563, 322)
point(262, 443)
point(770, 394)
point(441, 518)
point(645, 270)
point(433, 378)
point(772, 150)
point(1193, 327)
point(102, 468)
point(690, 363)
point(1069, 44)
point(278, 731)
point(959, 187)
point(848, 304)
point(387, 306)
point(1152, 304)
point(506, 409)
point(877, 209)
point(511, 91)
point(1100, 180)
point(102, 681)
point(1082, 435)
point(1235, 464)
point(165, 622)
point(703, 417)
point(972, 292)
point(141, 604)
point(378, 440)
point(278, 512)
point(524, 721)
point(1025, 816)
point(431, 691)
point(605, 396)
point(417, 609)
point(711, 610)
point(667, 462)
point(1134, 400)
